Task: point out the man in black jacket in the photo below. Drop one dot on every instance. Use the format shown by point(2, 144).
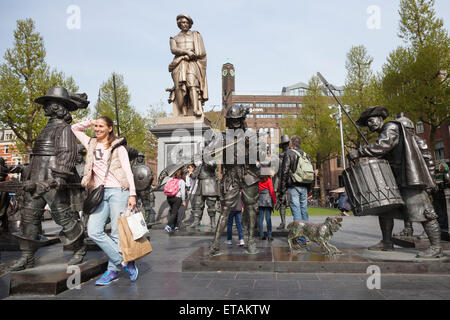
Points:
point(298, 192)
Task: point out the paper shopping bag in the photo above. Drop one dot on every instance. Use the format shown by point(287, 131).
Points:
point(132, 249)
point(137, 225)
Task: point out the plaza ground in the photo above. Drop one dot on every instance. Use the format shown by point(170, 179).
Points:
point(161, 276)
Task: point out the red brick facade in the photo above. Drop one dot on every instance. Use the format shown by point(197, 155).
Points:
point(8, 150)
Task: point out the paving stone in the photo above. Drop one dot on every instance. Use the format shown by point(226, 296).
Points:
point(160, 276)
point(231, 284)
point(297, 276)
point(216, 275)
point(251, 294)
point(255, 276)
point(395, 294)
point(267, 284)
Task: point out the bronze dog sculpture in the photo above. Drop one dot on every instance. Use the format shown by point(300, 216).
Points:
point(318, 233)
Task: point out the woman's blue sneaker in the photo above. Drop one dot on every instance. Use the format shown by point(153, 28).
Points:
point(168, 229)
point(108, 277)
point(132, 270)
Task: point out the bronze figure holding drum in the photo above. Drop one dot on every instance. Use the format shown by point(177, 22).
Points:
point(372, 190)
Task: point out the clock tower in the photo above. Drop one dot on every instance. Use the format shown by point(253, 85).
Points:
point(228, 84)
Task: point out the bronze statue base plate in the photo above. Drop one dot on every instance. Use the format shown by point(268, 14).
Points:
point(5, 284)
point(420, 244)
point(280, 259)
point(51, 273)
point(206, 231)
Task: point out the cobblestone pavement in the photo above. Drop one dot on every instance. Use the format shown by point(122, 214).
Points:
point(160, 276)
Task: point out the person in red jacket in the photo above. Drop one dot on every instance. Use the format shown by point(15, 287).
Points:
point(266, 202)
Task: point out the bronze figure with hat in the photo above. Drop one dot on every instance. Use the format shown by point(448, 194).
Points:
point(188, 69)
point(412, 168)
point(52, 169)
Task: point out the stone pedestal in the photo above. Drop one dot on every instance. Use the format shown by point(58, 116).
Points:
point(5, 284)
point(281, 260)
point(179, 138)
point(51, 275)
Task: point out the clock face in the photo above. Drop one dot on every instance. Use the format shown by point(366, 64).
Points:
point(224, 73)
point(232, 72)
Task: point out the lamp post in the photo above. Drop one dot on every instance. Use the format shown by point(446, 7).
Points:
point(341, 129)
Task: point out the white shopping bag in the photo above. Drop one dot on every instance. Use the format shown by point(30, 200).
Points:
point(137, 225)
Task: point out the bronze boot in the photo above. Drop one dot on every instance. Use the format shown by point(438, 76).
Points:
point(283, 218)
point(213, 222)
point(386, 226)
point(408, 230)
point(434, 234)
point(26, 261)
point(195, 223)
point(79, 253)
point(382, 246)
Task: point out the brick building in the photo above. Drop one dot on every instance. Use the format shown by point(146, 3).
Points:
point(8, 150)
point(442, 139)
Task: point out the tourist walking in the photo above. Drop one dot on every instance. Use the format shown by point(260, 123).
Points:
point(175, 190)
point(107, 163)
point(297, 179)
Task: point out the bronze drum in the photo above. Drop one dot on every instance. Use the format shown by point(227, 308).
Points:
point(371, 187)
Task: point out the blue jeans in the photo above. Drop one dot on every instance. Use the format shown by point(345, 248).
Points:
point(299, 205)
point(115, 200)
point(236, 215)
point(265, 212)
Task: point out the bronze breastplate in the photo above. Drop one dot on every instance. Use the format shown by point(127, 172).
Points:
point(45, 143)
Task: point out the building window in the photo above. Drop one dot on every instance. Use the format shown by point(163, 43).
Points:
point(6, 149)
point(245, 104)
point(265, 105)
point(339, 162)
point(439, 150)
point(286, 105)
point(419, 127)
point(265, 116)
point(341, 181)
point(8, 136)
point(297, 92)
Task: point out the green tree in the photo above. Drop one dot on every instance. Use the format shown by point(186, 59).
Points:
point(415, 77)
point(131, 124)
point(25, 76)
point(317, 129)
point(360, 92)
point(153, 114)
point(419, 25)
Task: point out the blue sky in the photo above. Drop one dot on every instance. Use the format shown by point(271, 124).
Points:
point(271, 43)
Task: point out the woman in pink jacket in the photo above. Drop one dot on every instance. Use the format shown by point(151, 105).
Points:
point(120, 191)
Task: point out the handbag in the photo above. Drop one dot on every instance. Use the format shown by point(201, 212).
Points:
point(131, 249)
point(95, 197)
